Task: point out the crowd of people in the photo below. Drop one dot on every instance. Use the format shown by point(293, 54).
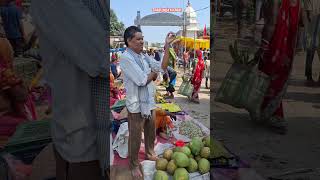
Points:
point(196, 63)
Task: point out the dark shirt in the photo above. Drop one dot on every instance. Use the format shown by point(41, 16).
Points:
point(114, 70)
point(157, 56)
point(11, 17)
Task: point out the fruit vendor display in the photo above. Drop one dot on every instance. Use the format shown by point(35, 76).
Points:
point(196, 145)
point(186, 150)
point(167, 154)
point(171, 167)
point(180, 161)
point(204, 166)
point(189, 129)
point(205, 152)
point(207, 141)
point(181, 174)
point(160, 175)
point(193, 166)
point(161, 164)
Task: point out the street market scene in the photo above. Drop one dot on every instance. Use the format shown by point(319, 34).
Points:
point(49, 132)
point(147, 104)
point(182, 98)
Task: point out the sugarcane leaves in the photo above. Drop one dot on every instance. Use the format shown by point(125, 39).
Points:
point(257, 57)
point(240, 56)
point(234, 52)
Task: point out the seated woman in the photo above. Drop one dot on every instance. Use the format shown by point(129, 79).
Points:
point(163, 122)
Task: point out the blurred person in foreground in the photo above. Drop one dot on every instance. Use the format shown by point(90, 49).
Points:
point(276, 54)
point(72, 37)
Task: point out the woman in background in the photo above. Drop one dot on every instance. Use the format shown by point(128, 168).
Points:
point(197, 77)
point(277, 51)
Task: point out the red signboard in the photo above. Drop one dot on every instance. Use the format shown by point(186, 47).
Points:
point(166, 9)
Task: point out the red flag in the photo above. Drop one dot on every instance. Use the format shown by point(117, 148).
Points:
point(204, 31)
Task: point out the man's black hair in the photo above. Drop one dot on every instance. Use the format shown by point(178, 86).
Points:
point(129, 33)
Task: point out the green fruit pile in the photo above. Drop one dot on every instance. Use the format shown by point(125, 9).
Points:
point(181, 161)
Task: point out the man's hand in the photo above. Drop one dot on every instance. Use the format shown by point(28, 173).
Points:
point(170, 38)
point(153, 75)
point(175, 41)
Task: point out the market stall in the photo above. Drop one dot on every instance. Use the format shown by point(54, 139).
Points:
point(176, 129)
point(192, 43)
point(201, 156)
point(198, 155)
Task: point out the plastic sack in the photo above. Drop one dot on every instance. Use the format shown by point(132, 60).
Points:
point(120, 143)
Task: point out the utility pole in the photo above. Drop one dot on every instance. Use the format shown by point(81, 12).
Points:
point(184, 26)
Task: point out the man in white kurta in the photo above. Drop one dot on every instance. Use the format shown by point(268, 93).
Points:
point(139, 73)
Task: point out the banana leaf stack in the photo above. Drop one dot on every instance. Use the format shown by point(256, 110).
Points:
point(241, 56)
point(244, 86)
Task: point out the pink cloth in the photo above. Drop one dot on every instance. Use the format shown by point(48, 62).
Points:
point(8, 124)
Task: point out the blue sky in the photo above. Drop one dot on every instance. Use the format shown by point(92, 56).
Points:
point(126, 11)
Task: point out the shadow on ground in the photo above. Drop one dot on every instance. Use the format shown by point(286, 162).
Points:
point(268, 152)
point(304, 97)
